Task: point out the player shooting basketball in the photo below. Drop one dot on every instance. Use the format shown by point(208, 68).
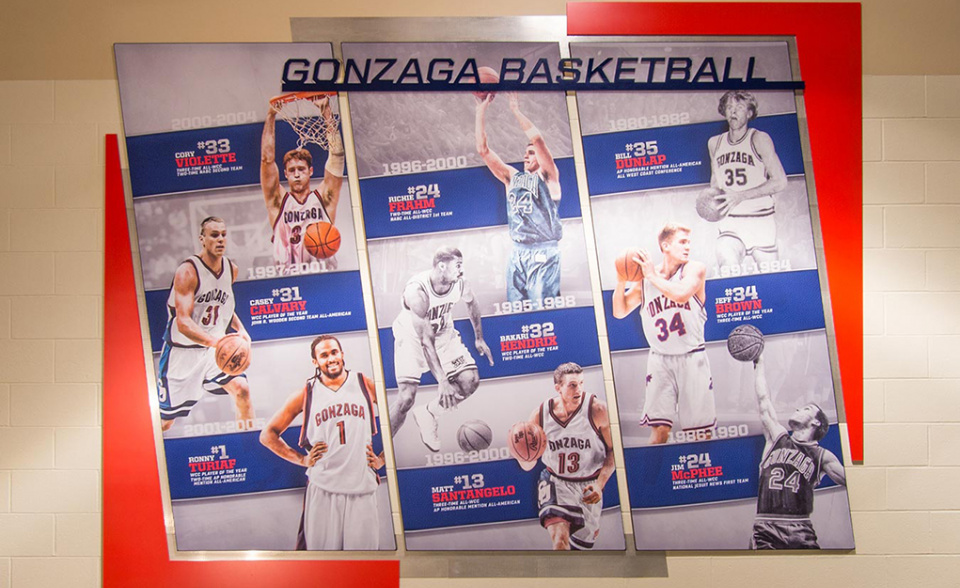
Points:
point(745, 173)
point(791, 467)
point(578, 461)
point(425, 339)
point(290, 212)
point(340, 507)
point(671, 297)
point(200, 308)
point(533, 196)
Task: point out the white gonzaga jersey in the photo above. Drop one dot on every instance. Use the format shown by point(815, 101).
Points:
point(575, 449)
point(344, 420)
point(740, 168)
point(439, 306)
point(289, 227)
point(213, 303)
point(671, 328)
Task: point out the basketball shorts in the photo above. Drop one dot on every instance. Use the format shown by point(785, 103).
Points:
point(533, 272)
point(334, 521)
point(757, 233)
point(185, 374)
point(410, 360)
point(564, 499)
point(783, 534)
point(679, 386)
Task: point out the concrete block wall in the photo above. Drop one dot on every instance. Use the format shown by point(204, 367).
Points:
point(906, 507)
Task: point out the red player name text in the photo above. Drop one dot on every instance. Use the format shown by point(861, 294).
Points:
point(418, 204)
point(474, 493)
point(739, 306)
point(528, 343)
point(698, 473)
point(213, 466)
point(207, 159)
point(644, 161)
point(281, 307)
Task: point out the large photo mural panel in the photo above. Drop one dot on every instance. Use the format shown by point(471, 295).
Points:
point(255, 310)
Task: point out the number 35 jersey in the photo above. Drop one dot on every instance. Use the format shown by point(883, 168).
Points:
point(213, 303)
point(344, 420)
point(672, 328)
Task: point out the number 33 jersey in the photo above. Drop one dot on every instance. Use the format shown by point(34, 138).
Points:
point(672, 328)
point(344, 420)
point(213, 303)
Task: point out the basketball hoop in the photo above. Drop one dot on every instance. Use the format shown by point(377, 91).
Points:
point(300, 111)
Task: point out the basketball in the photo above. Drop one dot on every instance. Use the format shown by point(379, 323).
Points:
point(628, 268)
point(488, 75)
point(745, 343)
point(707, 207)
point(527, 441)
point(233, 354)
point(474, 436)
point(321, 239)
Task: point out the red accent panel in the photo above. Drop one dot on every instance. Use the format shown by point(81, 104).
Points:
point(134, 538)
point(828, 43)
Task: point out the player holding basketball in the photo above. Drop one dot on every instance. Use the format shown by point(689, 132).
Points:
point(290, 212)
point(340, 506)
point(200, 309)
point(745, 173)
point(424, 339)
point(791, 467)
point(578, 461)
point(533, 196)
point(671, 301)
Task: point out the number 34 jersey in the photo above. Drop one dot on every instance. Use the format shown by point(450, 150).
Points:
point(344, 420)
point(672, 328)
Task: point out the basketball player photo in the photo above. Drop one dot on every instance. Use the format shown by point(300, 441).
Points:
point(791, 467)
point(533, 195)
point(670, 298)
point(200, 310)
point(291, 211)
point(340, 509)
point(576, 449)
point(426, 340)
point(745, 175)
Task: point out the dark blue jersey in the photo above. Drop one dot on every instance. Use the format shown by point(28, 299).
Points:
point(531, 212)
point(788, 474)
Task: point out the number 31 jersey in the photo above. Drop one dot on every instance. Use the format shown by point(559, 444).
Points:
point(672, 328)
point(213, 303)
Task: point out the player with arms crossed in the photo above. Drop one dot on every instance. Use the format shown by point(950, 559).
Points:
point(340, 506)
point(533, 196)
point(671, 297)
point(745, 173)
point(791, 467)
point(200, 308)
point(292, 211)
point(578, 461)
point(424, 339)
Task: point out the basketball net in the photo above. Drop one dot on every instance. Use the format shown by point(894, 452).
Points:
point(303, 114)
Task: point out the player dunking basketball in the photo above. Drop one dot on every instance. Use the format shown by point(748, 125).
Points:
point(290, 212)
point(533, 196)
point(424, 339)
point(340, 506)
point(791, 467)
point(200, 308)
point(671, 302)
point(745, 173)
point(578, 461)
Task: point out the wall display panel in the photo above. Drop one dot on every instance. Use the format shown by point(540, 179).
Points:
point(707, 262)
point(481, 283)
point(248, 255)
